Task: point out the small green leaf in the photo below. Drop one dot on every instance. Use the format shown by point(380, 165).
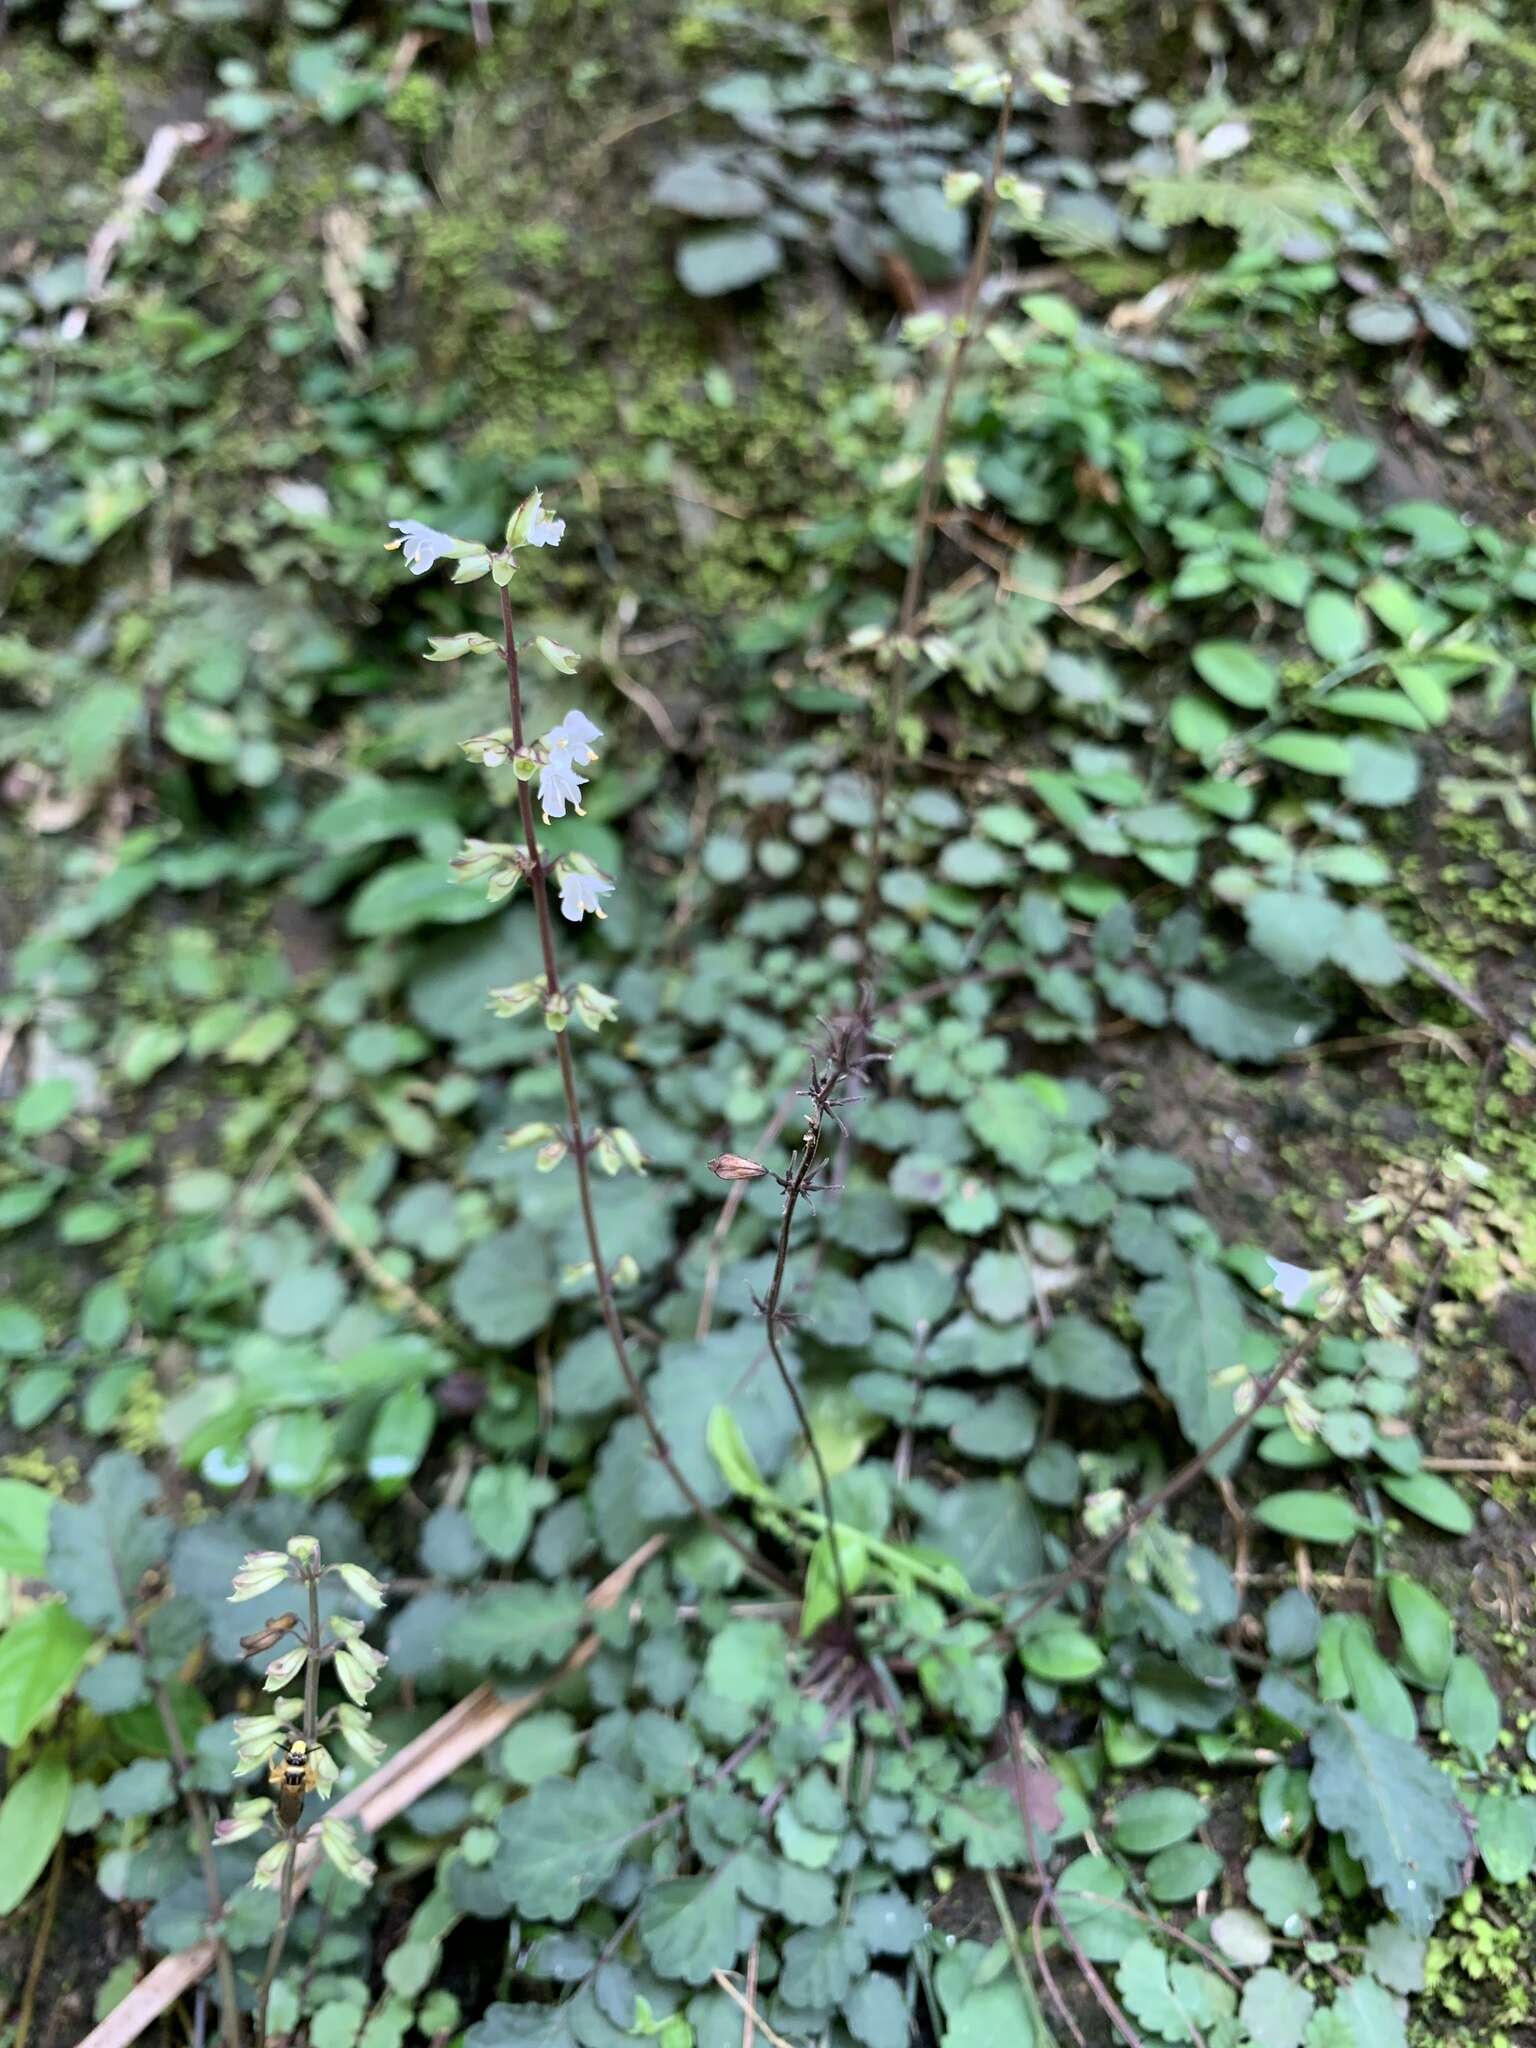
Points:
point(1506, 1836)
point(1312, 752)
point(1471, 1709)
point(24, 1513)
point(1432, 1499)
point(31, 1822)
point(1283, 1889)
point(1397, 1814)
point(1334, 625)
point(1061, 1655)
point(1149, 1821)
point(41, 1655)
point(710, 265)
point(1427, 1630)
point(1310, 1517)
point(1236, 673)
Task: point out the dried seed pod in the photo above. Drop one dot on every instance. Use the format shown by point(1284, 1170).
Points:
point(729, 1166)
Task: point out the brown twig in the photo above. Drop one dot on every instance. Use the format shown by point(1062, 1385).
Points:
point(138, 195)
point(1469, 1000)
point(612, 1322)
point(751, 2017)
point(40, 1944)
point(397, 1294)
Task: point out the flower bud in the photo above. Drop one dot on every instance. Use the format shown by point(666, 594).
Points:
point(361, 1583)
point(256, 1736)
point(549, 1156)
point(557, 1012)
point(248, 1817)
point(529, 1134)
point(490, 749)
point(593, 1007)
point(305, 1551)
point(628, 1151)
point(352, 1726)
point(262, 1571)
point(730, 1166)
point(520, 996)
point(340, 1846)
point(565, 659)
point(268, 1873)
point(626, 1270)
point(325, 1770)
point(606, 1153)
point(283, 1670)
point(358, 1666)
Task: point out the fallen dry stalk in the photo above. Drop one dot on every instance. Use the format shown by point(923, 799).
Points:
point(397, 1784)
point(139, 194)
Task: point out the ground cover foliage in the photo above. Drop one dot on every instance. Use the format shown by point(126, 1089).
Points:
point(1054, 1739)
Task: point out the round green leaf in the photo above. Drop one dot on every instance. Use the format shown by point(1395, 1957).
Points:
point(1334, 625)
point(1236, 673)
point(1310, 1517)
point(1149, 1821)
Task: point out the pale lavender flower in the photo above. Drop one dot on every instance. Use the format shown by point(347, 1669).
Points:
point(575, 731)
point(581, 893)
point(425, 545)
point(559, 785)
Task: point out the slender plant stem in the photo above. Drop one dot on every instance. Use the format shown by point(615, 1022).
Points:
point(1015, 1949)
point(928, 489)
point(758, 1566)
point(40, 1945)
point(202, 1835)
point(841, 1060)
point(1090, 1976)
point(290, 1861)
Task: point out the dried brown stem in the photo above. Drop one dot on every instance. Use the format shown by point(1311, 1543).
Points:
point(841, 1061)
point(40, 1944)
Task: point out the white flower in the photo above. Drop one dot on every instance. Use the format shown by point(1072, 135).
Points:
point(531, 526)
point(559, 785)
point(576, 732)
point(581, 893)
point(424, 545)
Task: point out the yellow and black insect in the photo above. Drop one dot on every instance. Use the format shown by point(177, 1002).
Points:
point(292, 1776)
